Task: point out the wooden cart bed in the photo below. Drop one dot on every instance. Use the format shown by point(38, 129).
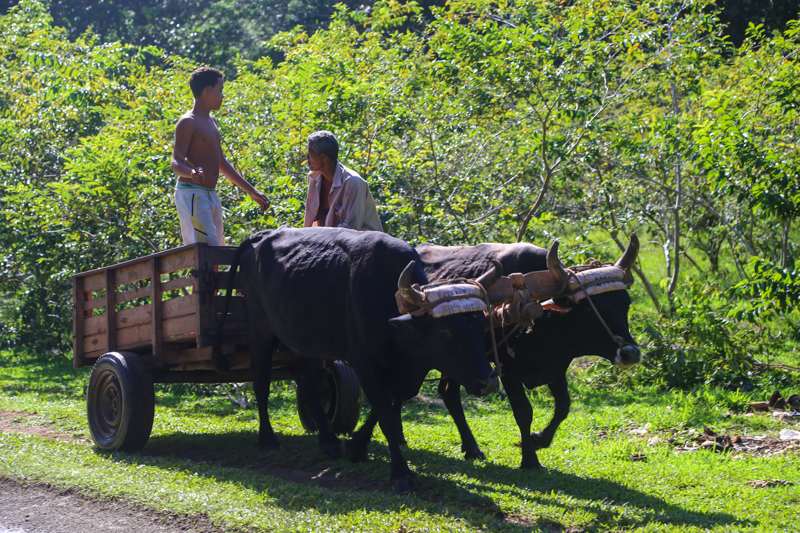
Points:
point(165, 307)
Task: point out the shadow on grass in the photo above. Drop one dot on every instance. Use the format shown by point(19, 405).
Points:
point(299, 477)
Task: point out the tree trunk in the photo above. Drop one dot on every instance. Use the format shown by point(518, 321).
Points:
point(548, 174)
point(667, 246)
point(676, 210)
point(614, 232)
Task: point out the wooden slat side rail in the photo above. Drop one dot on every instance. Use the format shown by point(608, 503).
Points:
point(131, 273)
point(78, 299)
point(156, 325)
point(176, 259)
point(147, 328)
point(180, 328)
point(134, 294)
point(204, 288)
point(139, 336)
point(135, 337)
point(176, 307)
point(90, 304)
point(93, 282)
point(94, 343)
point(180, 258)
point(178, 283)
point(111, 311)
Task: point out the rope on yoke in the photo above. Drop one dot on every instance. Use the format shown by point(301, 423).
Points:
point(504, 339)
point(498, 367)
point(590, 264)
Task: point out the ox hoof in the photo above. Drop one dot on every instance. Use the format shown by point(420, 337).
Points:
point(270, 447)
point(531, 465)
point(354, 453)
point(539, 442)
point(474, 453)
point(331, 449)
point(406, 484)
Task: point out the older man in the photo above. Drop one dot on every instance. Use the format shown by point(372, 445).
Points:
point(337, 196)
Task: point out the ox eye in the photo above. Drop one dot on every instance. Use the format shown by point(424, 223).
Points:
point(445, 333)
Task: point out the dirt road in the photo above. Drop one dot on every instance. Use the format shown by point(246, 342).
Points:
point(43, 509)
point(40, 508)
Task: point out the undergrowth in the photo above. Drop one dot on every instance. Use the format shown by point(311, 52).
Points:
point(616, 463)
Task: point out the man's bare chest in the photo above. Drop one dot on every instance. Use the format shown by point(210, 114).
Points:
point(206, 134)
point(324, 196)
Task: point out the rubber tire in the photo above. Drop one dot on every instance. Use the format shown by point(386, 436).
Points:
point(120, 402)
point(340, 396)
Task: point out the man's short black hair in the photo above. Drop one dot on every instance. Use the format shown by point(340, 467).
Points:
point(203, 77)
point(324, 142)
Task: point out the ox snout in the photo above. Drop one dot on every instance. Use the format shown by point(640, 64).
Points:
point(488, 385)
point(628, 356)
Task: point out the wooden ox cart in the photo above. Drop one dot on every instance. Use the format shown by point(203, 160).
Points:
point(153, 320)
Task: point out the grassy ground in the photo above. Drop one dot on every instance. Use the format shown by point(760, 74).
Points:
point(616, 464)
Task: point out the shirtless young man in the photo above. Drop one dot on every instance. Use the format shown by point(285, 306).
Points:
point(198, 160)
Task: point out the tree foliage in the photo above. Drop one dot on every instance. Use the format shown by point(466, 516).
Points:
point(475, 121)
point(213, 32)
point(216, 32)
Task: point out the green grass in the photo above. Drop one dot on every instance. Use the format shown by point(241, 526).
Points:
point(202, 459)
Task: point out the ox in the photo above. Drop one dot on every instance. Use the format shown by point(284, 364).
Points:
point(329, 293)
point(540, 354)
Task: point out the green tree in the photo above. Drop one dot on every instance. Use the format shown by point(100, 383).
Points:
point(84, 178)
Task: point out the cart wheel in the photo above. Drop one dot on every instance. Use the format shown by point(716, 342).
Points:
point(341, 397)
point(120, 402)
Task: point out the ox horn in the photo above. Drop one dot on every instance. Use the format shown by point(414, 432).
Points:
point(554, 265)
point(629, 256)
point(490, 277)
point(409, 293)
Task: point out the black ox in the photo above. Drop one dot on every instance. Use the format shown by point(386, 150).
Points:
point(541, 354)
point(329, 293)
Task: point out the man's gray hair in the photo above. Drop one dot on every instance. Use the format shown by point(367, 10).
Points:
point(324, 142)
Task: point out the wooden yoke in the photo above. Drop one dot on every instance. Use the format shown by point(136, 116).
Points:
point(540, 286)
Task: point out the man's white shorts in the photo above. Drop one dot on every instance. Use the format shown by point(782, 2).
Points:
point(200, 213)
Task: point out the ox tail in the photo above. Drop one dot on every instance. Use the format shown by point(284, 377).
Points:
point(219, 359)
